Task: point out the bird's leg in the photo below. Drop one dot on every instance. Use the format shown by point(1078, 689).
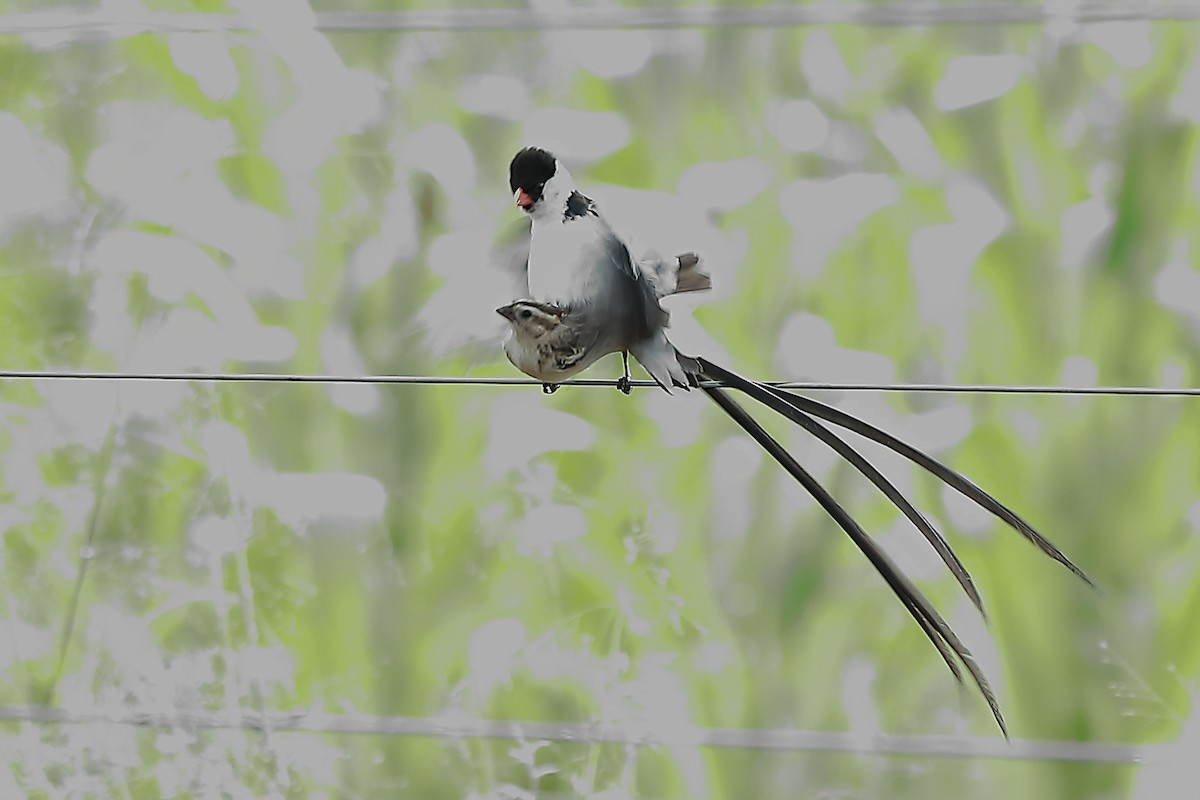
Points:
point(623, 381)
point(549, 388)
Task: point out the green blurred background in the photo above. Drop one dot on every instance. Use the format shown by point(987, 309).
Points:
point(986, 203)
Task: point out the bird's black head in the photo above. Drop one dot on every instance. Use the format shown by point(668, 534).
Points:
point(528, 173)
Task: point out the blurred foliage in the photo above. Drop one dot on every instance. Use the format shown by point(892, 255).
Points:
point(996, 204)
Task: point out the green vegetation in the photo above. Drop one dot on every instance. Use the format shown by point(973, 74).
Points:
point(303, 202)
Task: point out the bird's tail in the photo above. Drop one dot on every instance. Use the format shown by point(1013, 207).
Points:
point(797, 407)
point(674, 275)
point(666, 365)
point(802, 411)
point(689, 278)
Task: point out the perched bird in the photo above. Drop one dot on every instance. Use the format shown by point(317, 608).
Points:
point(577, 260)
point(591, 298)
point(541, 346)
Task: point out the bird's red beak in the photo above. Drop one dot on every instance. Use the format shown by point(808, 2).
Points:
point(522, 198)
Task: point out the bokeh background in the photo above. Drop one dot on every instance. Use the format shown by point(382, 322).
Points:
point(237, 186)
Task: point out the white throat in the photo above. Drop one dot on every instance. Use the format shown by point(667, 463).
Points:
point(554, 196)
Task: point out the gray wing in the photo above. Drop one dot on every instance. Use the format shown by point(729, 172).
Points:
point(618, 250)
point(630, 295)
point(635, 289)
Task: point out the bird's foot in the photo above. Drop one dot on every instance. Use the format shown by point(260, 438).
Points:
point(549, 388)
point(624, 385)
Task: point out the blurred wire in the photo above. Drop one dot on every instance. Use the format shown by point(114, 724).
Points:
point(457, 380)
point(818, 13)
point(111, 23)
point(456, 727)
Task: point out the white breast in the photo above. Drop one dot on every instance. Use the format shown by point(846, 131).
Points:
point(564, 261)
point(524, 357)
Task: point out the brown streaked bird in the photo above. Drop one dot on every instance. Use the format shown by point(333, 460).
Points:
point(541, 346)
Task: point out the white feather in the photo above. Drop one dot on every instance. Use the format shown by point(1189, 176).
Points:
point(565, 260)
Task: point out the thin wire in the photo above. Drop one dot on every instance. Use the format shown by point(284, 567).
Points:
point(457, 727)
point(462, 380)
point(118, 24)
point(818, 13)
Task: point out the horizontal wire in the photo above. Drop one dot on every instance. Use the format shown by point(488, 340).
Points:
point(111, 23)
point(462, 380)
point(456, 727)
point(819, 13)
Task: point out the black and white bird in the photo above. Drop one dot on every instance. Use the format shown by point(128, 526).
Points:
point(589, 297)
point(577, 260)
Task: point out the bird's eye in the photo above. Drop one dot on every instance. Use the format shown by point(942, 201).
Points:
point(526, 313)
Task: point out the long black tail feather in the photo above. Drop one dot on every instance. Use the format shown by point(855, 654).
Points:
point(776, 400)
point(948, 645)
point(950, 477)
point(802, 411)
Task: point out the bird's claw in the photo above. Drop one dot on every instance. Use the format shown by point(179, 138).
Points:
point(549, 388)
point(624, 385)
